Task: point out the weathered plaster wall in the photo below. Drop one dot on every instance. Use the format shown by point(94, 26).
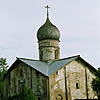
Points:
point(57, 85)
point(71, 82)
point(49, 49)
point(24, 75)
point(78, 72)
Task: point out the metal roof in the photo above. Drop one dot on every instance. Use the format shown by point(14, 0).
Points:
point(38, 65)
point(56, 65)
point(47, 68)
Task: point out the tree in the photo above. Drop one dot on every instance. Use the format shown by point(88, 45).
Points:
point(3, 67)
point(3, 70)
point(26, 94)
point(95, 84)
point(3, 64)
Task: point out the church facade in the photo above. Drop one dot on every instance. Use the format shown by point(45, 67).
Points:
point(51, 78)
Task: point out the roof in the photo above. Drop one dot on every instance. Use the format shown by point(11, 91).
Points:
point(48, 68)
point(36, 64)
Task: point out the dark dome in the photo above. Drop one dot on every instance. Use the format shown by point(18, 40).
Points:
point(48, 31)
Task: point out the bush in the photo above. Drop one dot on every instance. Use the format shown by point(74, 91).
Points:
point(26, 94)
point(95, 84)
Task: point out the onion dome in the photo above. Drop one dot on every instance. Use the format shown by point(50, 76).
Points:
point(48, 31)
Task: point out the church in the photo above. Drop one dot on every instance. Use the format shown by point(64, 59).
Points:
point(51, 78)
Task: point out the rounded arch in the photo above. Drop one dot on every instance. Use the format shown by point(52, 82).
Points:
point(59, 97)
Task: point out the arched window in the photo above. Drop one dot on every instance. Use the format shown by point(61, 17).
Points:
point(77, 85)
point(56, 52)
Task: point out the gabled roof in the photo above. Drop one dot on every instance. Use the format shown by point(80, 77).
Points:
point(36, 64)
point(56, 65)
point(48, 68)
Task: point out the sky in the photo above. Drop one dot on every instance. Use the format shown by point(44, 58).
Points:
point(77, 20)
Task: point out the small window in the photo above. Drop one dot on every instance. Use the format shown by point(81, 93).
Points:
point(77, 85)
point(56, 54)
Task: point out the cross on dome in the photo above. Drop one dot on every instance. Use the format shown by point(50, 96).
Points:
point(48, 31)
point(47, 7)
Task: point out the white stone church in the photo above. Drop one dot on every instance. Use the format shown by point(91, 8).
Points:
point(51, 78)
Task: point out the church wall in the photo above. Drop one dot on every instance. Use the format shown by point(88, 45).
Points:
point(71, 82)
point(22, 75)
point(57, 85)
point(76, 76)
point(78, 81)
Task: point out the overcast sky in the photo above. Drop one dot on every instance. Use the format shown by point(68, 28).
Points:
point(77, 20)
